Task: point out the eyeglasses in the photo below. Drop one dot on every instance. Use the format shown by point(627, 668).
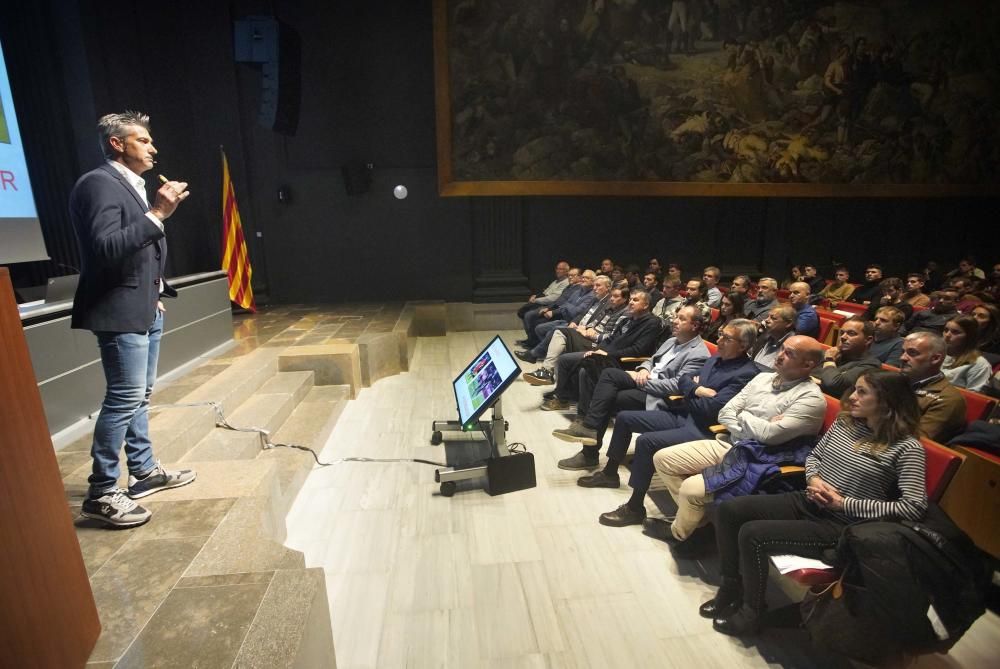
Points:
point(724, 337)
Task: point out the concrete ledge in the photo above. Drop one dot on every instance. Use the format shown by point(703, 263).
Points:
point(495, 316)
point(405, 332)
point(379, 357)
point(430, 318)
point(334, 363)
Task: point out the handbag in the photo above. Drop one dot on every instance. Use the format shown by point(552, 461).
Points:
point(838, 621)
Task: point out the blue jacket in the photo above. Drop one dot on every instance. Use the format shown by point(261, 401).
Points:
point(749, 462)
point(725, 377)
point(807, 322)
point(574, 306)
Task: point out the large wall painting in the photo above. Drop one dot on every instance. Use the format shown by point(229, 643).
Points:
point(717, 97)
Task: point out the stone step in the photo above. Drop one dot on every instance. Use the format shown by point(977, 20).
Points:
point(309, 425)
point(273, 619)
point(267, 408)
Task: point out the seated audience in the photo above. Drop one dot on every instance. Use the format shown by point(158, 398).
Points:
point(650, 284)
point(914, 294)
point(868, 466)
point(551, 292)
point(933, 278)
point(967, 293)
point(674, 271)
point(766, 300)
point(795, 274)
point(843, 364)
point(681, 419)
point(993, 286)
point(742, 285)
point(634, 278)
point(669, 303)
point(967, 268)
point(587, 310)
point(780, 408)
point(607, 266)
point(988, 318)
point(654, 266)
point(806, 318)
point(696, 295)
point(778, 326)
point(888, 344)
point(710, 277)
point(963, 365)
point(812, 277)
point(942, 407)
point(577, 289)
point(840, 289)
point(634, 336)
point(618, 278)
point(892, 296)
point(645, 388)
point(593, 330)
point(943, 307)
point(731, 309)
point(870, 289)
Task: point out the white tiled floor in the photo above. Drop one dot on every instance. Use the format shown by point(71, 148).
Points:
point(528, 579)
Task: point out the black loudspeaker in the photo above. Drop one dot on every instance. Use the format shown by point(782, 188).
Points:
point(509, 473)
point(357, 177)
point(277, 48)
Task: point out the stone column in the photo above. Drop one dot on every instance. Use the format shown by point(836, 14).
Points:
point(498, 249)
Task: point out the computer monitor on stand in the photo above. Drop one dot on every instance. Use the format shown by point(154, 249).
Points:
point(478, 389)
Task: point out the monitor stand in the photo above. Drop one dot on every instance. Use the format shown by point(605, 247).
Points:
point(494, 433)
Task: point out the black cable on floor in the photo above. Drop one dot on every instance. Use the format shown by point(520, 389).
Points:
point(266, 443)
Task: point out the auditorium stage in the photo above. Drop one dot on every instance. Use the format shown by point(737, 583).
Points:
point(254, 559)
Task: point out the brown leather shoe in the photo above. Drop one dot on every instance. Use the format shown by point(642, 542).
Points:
point(555, 404)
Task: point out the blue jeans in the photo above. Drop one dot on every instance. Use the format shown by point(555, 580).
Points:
point(129, 361)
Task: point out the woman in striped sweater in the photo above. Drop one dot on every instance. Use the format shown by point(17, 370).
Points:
point(869, 465)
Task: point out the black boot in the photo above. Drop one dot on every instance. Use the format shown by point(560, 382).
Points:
point(726, 600)
point(745, 622)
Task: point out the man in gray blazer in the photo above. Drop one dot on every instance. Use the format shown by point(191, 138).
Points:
point(123, 253)
point(645, 388)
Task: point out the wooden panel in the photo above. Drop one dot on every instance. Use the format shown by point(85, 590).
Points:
point(972, 500)
point(47, 612)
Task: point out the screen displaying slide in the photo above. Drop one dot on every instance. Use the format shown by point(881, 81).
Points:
point(20, 234)
point(489, 373)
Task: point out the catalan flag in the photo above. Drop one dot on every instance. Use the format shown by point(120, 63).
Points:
point(234, 247)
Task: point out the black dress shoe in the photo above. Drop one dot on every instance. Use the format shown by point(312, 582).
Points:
point(745, 622)
point(657, 528)
point(526, 356)
point(622, 516)
point(727, 600)
point(599, 480)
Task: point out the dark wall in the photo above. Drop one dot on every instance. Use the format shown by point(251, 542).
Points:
point(367, 95)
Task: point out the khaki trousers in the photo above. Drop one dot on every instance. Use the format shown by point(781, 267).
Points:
point(679, 467)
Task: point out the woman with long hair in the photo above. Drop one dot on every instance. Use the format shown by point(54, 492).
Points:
point(730, 309)
point(963, 365)
point(988, 317)
point(868, 466)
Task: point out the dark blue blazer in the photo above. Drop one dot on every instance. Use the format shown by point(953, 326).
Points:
point(725, 377)
point(122, 252)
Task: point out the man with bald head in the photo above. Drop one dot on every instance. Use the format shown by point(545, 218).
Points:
point(806, 318)
point(551, 292)
point(776, 409)
point(942, 407)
